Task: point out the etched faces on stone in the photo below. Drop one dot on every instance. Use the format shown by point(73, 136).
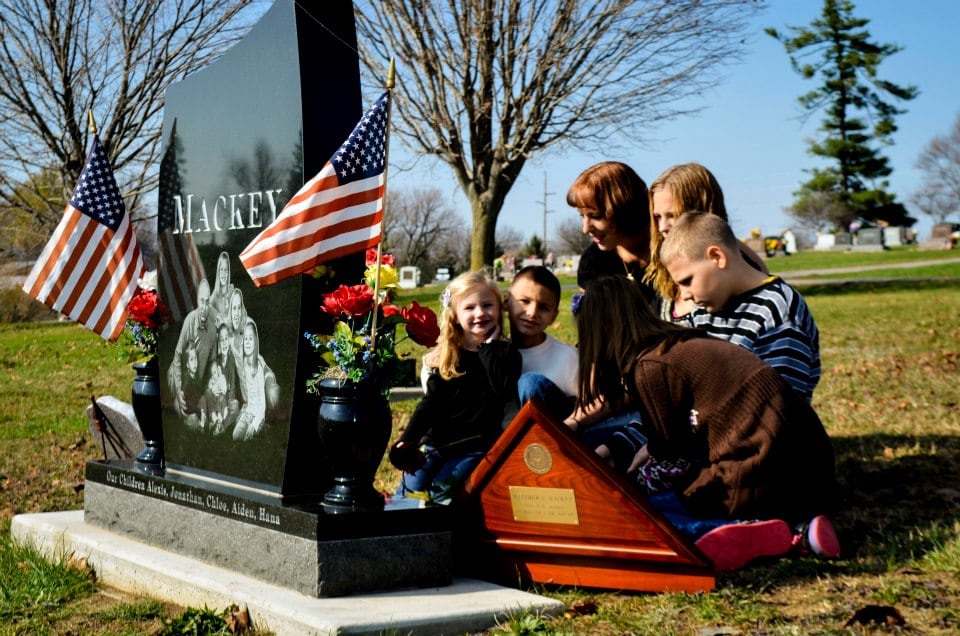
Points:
point(222, 385)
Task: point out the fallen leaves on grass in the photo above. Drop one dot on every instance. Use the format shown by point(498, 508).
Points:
point(583, 607)
point(238, 620)
point(877, 615)
point(81, 565)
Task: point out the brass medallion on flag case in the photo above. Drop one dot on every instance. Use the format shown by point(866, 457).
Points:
point(538, 458)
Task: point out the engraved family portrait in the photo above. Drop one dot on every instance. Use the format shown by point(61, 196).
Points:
point(220, 382)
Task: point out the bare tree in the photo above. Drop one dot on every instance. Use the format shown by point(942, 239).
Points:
point(453, 251)
point(820, 210)
point(939, 194)
point(509, 239)
point(115, 57)
point(483, 85)
point(570, 236)
point(415, 222)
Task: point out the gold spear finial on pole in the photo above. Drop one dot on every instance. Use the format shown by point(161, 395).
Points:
point(390, 75)
point(91, 123)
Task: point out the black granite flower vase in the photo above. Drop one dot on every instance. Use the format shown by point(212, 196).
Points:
point(145, 398)
point(354, 424)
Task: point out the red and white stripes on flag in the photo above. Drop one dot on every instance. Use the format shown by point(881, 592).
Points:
point(181, 269)
point(89, 268)
point(336, 213)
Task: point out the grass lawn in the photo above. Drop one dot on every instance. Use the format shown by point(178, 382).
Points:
point(889, 397)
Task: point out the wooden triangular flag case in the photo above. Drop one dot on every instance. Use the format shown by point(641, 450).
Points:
point(551, 511)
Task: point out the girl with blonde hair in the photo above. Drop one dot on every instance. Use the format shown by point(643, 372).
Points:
point(682, 188)
point(473, 375)
point(222, 290)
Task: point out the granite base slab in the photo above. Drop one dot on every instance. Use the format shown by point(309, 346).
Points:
point(294, 545)
point(464, 606)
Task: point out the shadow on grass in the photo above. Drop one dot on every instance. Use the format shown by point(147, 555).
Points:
point(896, 490)
point(900, 501)
point(840, 288)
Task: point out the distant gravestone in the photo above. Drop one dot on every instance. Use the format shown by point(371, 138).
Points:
point(825, 242)
point(409, 277)
point(939, 238)
point(894, 236)
point(946, 234)
point(870, 239)
point(843, 240)
point(941, 231)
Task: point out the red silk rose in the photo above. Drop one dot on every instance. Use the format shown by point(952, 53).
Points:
point(389, 310)
point(353, 300)
point(145, 308)
point(385, 259)
point(421, 324)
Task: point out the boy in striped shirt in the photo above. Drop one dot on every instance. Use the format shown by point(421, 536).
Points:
point(762, 314)
point(735, 302)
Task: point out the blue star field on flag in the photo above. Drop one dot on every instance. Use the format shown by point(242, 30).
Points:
point(96, 193)
point(362, 154)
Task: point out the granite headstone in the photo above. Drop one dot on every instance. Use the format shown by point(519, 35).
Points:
point(870, 237)
point(843, 240)
point(244, 470)
point(894, 235)
point(242, 136)
point(825, 241)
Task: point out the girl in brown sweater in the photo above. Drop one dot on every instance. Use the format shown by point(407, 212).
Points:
point(756, 449)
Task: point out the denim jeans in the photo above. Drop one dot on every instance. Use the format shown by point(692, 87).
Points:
point(439, 478)
point(600, 432)
point(558, 405)
point(673, 508)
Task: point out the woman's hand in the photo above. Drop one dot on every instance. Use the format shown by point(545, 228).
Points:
point(639, 458)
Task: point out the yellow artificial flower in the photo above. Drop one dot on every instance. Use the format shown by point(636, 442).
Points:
point(389, 277)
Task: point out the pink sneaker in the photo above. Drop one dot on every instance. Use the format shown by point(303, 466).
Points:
point(732, 546)
point(820, 537)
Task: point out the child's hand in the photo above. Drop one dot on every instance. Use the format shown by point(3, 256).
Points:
point(406, 457)
point(432, 359)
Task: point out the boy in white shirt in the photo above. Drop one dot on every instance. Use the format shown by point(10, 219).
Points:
point(549, 371)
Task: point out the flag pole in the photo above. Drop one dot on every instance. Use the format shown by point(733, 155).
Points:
point(386, 158)
point(91, 123)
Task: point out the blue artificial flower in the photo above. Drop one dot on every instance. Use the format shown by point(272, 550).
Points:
point(575, 303)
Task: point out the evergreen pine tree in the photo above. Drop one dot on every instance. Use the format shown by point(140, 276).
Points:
point(859, 113)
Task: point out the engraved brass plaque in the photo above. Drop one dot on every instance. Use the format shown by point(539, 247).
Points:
point(544, 505)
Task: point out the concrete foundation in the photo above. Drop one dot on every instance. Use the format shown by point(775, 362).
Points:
point(464, 606)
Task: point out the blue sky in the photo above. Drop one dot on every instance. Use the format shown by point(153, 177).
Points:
point(749, 133)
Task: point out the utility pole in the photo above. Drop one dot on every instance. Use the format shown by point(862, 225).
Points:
point(545, 212)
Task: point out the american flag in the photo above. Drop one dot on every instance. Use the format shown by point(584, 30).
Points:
point(89, 268)
point(181, 269)
point(336, 213)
